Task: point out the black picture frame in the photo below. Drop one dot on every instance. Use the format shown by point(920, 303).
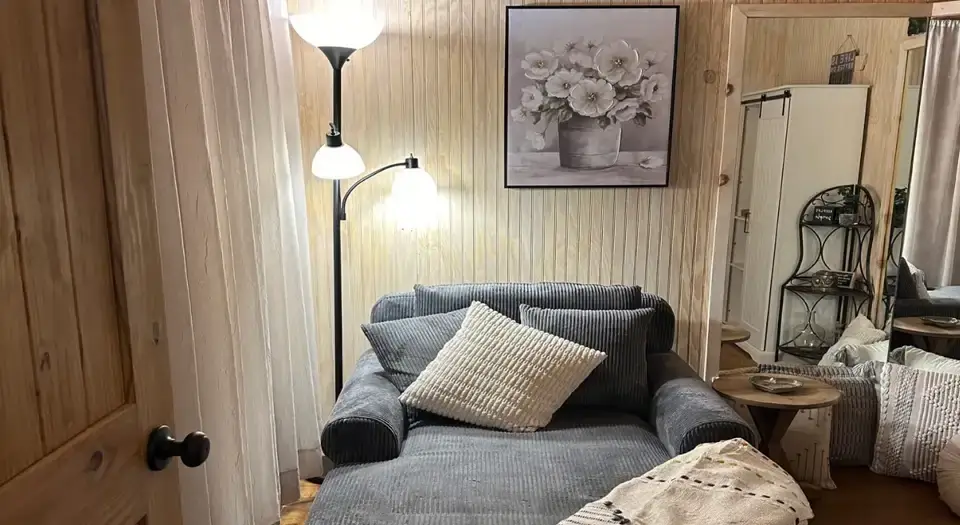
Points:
point(505, 110)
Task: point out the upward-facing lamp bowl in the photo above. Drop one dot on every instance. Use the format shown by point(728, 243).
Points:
point(343, 24)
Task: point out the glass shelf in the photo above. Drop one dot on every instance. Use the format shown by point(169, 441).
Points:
point(834, 225)
point(803, 352)
point(843, 292)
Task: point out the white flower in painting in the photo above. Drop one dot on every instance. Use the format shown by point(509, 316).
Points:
point(651, 58)
point(520, 114)
point(653, 88)
point(592, 98)
point(560, 83)
point(618, 63)
point(539, 66)
point(537, 140)
point(531, 98)
point(578, 51)
point(623, 111)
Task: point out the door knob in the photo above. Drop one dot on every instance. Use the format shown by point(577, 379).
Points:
point(161, 446)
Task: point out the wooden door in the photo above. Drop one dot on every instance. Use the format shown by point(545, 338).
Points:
point(760, 243)
point(84, 369)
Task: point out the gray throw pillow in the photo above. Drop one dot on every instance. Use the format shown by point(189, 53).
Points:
point(406, 346)
point(854, 424)
point(506, 298)
point(620, 381)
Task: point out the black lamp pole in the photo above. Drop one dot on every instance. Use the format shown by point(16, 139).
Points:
point(338, 57)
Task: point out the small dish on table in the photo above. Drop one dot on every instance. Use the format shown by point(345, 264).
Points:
point(775, 384)
point(941, 322)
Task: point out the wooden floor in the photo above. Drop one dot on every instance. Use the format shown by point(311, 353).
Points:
point(296, 513)
point(862, 497)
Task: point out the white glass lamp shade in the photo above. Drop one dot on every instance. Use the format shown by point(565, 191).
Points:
point(336, 163)
point(413, 185)
point(343, 24)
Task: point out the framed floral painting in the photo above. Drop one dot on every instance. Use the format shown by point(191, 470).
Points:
point(589, 95)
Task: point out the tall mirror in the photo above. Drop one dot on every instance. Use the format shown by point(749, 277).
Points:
point(927, 298)
point(827, 122)
point(911, 66)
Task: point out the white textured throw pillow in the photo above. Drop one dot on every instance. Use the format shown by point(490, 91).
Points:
point(498, 373)
point(853, 354)
point(914, 357)
point(862, 331)
point(806, 444)
point(919, 414)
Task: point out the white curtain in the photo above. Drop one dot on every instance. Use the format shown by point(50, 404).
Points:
point(230, 197)
point(932, 234)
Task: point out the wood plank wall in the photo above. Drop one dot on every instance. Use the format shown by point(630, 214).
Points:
point(796, 51)
point(432, 84)
point(63, 361)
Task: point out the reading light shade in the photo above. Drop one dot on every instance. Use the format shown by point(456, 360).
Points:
point(344, 24)
point(414, 185)
point(336, 163)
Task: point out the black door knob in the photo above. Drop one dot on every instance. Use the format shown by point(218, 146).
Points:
point(161, 446)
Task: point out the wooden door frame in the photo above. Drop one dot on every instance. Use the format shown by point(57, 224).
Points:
point(729, 164)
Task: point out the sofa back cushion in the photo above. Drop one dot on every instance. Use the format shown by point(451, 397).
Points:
point(406, 346)
point(506, 298)
point(394, 306)
point(620, 381)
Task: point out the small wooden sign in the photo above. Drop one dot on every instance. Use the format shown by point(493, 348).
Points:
point(841, 67)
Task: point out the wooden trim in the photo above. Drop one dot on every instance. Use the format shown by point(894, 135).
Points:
point(946, 9)
point(913, 42)
point(836, 10)
point(729, 169)
point(125, 98)
point(739, 17)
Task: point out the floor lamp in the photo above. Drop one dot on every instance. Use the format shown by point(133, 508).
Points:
point(338, 33)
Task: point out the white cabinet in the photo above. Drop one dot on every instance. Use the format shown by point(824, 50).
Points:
point(795, 142)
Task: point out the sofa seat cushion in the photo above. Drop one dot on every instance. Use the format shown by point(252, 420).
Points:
point(450, 474)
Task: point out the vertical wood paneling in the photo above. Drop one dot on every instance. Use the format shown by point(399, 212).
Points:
point(19, 418)
point(42, 222)
point(441, 62)
point(82, 172)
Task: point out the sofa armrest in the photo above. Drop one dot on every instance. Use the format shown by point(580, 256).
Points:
point(942, 306)
point(368, 422)
point(685, 411)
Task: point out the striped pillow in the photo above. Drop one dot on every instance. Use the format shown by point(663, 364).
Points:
point(919, 414)
point(621, 380)
point(498, 373)
point(854, 416)
point(404, 347)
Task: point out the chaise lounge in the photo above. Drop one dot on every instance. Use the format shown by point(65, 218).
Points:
point(393, 468)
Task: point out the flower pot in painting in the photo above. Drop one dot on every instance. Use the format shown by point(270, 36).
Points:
point(584, 144)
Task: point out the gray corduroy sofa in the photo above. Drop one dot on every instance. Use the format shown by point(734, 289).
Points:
point(391, 468)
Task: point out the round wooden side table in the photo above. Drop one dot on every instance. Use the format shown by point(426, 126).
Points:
point(733, 333)
point(773, 413)
point(934, 335)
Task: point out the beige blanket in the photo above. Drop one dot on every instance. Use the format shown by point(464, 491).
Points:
point(714, 484)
